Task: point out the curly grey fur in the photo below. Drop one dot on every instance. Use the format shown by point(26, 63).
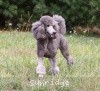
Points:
point(38, 30)
point(61, 23)
point(47, 47)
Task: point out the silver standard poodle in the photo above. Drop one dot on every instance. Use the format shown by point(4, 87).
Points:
point(49, 33)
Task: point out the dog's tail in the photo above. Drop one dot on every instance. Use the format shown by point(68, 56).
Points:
point(61, 23)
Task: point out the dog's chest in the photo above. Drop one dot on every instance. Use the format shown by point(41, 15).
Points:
point(50, 49)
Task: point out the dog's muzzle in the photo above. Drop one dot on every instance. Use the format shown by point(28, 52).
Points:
point(51, 32)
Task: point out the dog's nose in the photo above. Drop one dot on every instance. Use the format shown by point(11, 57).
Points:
point(54, 32)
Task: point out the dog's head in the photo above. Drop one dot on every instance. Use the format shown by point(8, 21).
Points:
point(47, 27)
point(51, 26)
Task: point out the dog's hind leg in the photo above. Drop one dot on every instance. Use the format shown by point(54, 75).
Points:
point(40, 69)
point(54, 68)
point(65, 52)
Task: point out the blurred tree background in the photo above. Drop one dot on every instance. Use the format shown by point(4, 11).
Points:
point(21, 13)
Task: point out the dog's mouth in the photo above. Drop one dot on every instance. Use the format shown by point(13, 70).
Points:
point(51, 36)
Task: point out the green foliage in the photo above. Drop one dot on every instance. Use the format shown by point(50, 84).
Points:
point(8, 9)
point(55, 9)
point(39, 10)
point(1, 2)
point(77, 12)
point(11, 11)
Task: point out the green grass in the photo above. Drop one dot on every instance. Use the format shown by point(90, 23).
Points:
point(18, 60)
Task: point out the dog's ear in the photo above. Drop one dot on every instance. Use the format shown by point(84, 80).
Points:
point(61, 23)
point(38, 30)
point(56, 26)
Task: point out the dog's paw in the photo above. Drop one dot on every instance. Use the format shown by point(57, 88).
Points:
point(40, 76)
point(55, 70)
point(70, 61)
point(40, 69)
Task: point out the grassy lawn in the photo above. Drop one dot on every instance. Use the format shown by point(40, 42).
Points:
point(18, 60)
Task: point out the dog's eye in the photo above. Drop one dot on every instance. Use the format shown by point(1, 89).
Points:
point(53, 26)
point(47, 25)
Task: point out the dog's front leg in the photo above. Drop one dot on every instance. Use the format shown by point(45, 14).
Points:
point(40, 69)
point(54, 68)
